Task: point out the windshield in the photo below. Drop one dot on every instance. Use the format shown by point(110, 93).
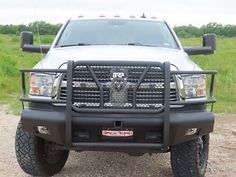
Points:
point(116, 32)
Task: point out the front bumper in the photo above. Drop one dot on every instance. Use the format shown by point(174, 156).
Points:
point(141, 124)
point(80, 128)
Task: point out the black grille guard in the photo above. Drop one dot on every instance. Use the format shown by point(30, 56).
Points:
point(164, 110)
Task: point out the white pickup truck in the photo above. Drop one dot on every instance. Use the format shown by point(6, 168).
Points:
point(115, 84)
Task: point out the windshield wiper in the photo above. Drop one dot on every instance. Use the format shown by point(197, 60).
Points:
point(71, 45)
point(135, 43)
point(83, 44)
point(140, 44)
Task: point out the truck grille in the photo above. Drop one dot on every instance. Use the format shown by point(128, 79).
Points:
point(113, 87)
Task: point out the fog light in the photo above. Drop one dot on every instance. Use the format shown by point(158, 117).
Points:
point(84, 136)
point(43, 130)
point(152, 136)
point(191, 131)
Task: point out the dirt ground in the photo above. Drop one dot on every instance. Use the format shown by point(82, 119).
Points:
point(222, 162)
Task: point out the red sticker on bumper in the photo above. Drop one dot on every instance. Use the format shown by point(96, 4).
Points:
point(118, 133)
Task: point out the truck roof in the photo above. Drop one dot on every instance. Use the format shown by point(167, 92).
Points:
point(117, 16)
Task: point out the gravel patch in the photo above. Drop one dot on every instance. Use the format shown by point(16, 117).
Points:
point(222, 160)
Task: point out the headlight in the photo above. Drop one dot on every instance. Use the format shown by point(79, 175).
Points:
point(41, 84)
point(194, 86)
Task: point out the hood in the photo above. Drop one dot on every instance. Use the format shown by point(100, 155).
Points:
point(58, 56)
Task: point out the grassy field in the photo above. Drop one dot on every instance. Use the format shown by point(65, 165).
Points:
point(12, 58)
point(224, 61)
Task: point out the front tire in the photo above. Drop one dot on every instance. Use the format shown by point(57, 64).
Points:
point(189, 159)
point(36, 156)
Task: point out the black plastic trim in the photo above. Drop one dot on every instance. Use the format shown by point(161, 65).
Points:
point(198, 50)
point(36, 48)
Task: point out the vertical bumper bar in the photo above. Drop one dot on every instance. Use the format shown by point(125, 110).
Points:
point(167, 105)
point(70, 69)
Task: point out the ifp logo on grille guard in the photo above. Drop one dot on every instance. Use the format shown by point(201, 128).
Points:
point(118, 75)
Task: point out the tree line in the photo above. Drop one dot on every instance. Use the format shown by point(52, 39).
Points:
point(41, 27)
point(219, 29)
point(185, 31)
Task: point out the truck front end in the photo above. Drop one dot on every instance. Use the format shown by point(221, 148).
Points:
point(120, 85)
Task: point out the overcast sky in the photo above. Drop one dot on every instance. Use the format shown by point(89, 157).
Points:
point(176, 12)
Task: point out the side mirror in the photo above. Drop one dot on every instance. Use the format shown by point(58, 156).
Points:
point(26, 44)
point(209, 46)
point(26, 38)
point(210, 40)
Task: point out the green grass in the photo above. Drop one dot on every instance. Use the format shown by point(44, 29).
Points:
point(224, 61)
point(12, 58)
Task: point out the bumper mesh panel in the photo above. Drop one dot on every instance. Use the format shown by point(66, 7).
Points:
point(119, 87)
